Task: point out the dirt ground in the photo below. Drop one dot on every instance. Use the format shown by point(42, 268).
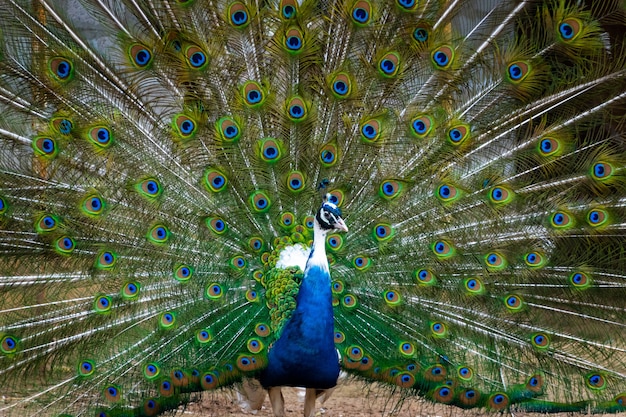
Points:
point(351, 399)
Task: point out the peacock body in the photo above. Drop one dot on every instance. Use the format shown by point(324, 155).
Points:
point(159, 172)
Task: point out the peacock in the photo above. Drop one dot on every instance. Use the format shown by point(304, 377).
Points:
point(425, 195)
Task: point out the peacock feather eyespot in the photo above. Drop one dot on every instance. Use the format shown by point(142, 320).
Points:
point(549, 146)
point(421, 34)
point(473, 286)
point(425, 277)
point(184, 126)
point(407, 5)
point(238, 15)
point(93, 205)
point(151, 370)
point(620, 400)
point(166, 388)
point(297, 109)
point(214, 291)
point(334, 242)
point(370, 131)
point(86, 368)
point(596, 381)
point(341, 85)
point(407, 349)
point(255, 345)
point(495, 261)
point(535, 259)
point(294, 41)
point(262, 330)
point(443, 394)
point(158, 234)
point(149, 187)
point(179, 377)
point(45, 147)
point(100, 136)
point(443, 249)
point(252, 296)
point(287, 220)
point(580, 280)
point(349, 301)
point(228, 129)
point(62, 125)
point(106, 260)
point(46, 223)
point(295, 181)
point(288, 9)
point(447, 193)
point(354, 352)
point(253, 94)
point(597, 217)
point(422, 125)
point(465, 373)
point(209, 381)
point(540, 341)
point(392, 298)
point(458, 134)
point(602, 171)
point(183, 273)
point(167, 320)
point(140, 56)
point(517, 71)
point(102, 304)
point(514, 303)
point(216, 225)
point(500, 195)
point(389, 65)
point(238, 263)
point(308, 222)
point(64, 245)
point(337, 287)
point(561, 220)
point(130, 290)
point(469, 397)
point(4, 206)
point(535, 383)
point(196, 58)
point(404, 380)
point(383, 232)
point(339, 337)
point(8, 344)
point(442, 57)
point(270, 150)
point(498, 401)
point(328, 155)
point(336, 197)
point(215, 180)
point(203, 336)
point(361, 263)
point(61, 69)
point(435, 373)
point(259, 202)
point(569, 29)
point(112, 393)
point(255, 243)
point(361, 13)
point(438, 329)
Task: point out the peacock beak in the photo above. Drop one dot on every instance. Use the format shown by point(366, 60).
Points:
point(340, 225)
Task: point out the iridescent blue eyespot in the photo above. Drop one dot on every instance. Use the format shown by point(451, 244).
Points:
point(340, 87)
point(420, 35)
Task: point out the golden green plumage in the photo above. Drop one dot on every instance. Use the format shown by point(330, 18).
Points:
point(157, 159)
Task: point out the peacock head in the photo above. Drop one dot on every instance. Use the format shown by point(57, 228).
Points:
point(328, 217)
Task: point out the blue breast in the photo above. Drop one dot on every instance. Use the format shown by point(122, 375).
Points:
point(305, 354)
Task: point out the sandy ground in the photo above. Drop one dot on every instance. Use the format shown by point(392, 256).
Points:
point(351, 399)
